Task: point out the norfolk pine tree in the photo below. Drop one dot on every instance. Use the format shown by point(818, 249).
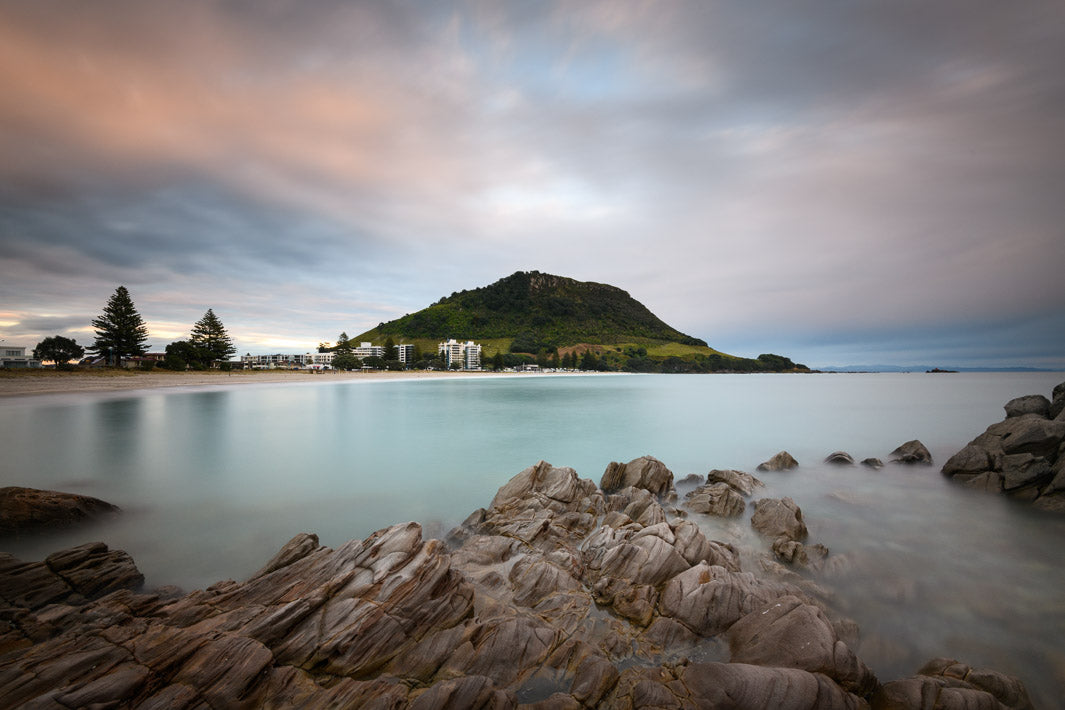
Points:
point(120, 330)
point(210, 335)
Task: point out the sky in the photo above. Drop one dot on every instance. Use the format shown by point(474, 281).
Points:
point(839, 182)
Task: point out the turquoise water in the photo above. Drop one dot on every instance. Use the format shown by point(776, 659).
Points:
point(213, 481)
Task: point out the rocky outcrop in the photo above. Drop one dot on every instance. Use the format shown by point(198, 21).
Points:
point(646, 472)
point(912, 452)
point(953, 686)
point(30, 510)
point(782, 461)
point(558, 595)
point(1022, 456)
point(840, 458)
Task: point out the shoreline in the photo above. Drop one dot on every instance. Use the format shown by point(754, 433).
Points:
point(50, 382)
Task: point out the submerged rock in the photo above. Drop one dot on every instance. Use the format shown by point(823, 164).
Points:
point(873, 463)
point(955, 686)
point(840, 458)
point(782, 461)
point(912, 452)
point(779, 517)
point(29, 510)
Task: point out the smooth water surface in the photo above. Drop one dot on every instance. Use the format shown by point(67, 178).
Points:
point(214, 481)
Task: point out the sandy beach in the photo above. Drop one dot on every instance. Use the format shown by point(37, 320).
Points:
point(20, 383)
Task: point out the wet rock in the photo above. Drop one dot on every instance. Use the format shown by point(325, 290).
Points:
point(709, 599)
point(912, 452)
point(646, 472)
point(739, 481)
point(796, 553)
point(1024, 470)
point(1026, 434)
point(873, 463)
point(716, 499)
point(840, 458)
point(692, 479)
point(782, 461)
point(789, 633)
point(25, 511)
point(294, 550)
point(1029, 404)
point(954, 686)
point(1057, 405)
point(779, 517)
point(738, 685)
point(971, 460)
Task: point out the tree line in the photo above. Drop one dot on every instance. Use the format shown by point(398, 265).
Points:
point(120, 333)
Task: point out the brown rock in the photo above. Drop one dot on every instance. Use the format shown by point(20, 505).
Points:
point(738, 685)
point(970, 460)
point(1029, 404)
point(25, 511)
point(776, 517)
point(740, 481)
point(792, 634)
point(716, 499)
point(912, 452)
point(646, 472)
point(782, 461)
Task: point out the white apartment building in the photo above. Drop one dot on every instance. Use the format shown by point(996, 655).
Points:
point(405, 354)
point(15, 356)
point(468, 354)
point(366, 350)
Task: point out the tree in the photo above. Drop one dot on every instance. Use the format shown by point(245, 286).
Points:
point(344, 355)
point(59, 350)
point(120, 330)
point(497, 361)
point(183, 354)
point(210, 335)
point(391, 352)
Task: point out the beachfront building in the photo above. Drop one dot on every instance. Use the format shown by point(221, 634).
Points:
point(405, 354)
point(15, 356)
point(366, 350)
point(467, 354)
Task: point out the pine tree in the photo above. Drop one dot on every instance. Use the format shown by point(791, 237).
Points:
point(120, 330)
point(210, 335)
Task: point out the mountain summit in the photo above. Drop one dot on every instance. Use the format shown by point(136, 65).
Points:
point(540, 311)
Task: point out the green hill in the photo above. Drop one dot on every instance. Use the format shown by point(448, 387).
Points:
point(531, 312)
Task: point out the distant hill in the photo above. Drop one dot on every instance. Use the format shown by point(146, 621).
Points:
point(534, 313)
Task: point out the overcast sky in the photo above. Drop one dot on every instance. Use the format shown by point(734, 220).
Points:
point(839, 182)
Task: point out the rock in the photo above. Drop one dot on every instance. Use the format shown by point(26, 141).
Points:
point(1024, 470)
point(92, 570)
point(789, 633)
point(1026, 434)
point(740, 481)
point(294, 550)
point(1029, 404)
point(795, 553)
point(1057, 405)
point(716, 499)
point(25, 511)
point(782, 461)
point(739, 685)
point(873, 463)
point(912, 452)
point(646, 472)
point(692, 479)
point(970, 460)
point(775, 518)
point(708, 599)
point(840, 458)
point(955, 686)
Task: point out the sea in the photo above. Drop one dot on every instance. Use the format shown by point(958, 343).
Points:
point(213, 481)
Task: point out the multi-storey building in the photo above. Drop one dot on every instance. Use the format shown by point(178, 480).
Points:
point(405, 354)
point(467, 354)
point(366, 350)
point(15, 356)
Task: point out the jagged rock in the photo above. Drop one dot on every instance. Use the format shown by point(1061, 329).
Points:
point(646, 472)
point(912, 452)
point(1024, 470)
point(73, 575)
point(796, 553)
point(1029, 404)
point(789, 633)
point(709, 599)
point(740, 481)
point(29, 510)
point(716, 499)
point(873, 463)
point(840, 458)
point(295, 549)
point(692, 479)
point(777, 517)
point(1026, 434)
point(954, 686)
point(970, 460)
point(782, 461)
point(738, 685)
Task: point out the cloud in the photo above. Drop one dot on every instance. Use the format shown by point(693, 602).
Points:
point(787, 169)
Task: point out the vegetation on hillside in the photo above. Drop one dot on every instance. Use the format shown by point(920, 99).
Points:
point(553, 321)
